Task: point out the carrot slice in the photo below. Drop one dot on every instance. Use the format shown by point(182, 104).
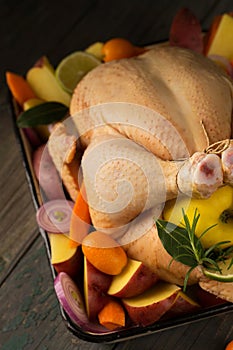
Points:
point(112, 315)
point(19, 88)
point(80, 219)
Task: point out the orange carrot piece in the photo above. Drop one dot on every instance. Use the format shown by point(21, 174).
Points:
point(80, 218)
point(112, 315)
point(19, 88)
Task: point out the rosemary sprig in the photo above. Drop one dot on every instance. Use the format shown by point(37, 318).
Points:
point(184, 246)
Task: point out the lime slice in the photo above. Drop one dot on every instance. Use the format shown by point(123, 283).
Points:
point(226, 274)
point(73, 68)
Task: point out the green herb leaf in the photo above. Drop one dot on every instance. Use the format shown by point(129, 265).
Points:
point(176, 241)
point(45, 113)
point(184, 246)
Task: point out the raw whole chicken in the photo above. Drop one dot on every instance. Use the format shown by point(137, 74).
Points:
point(152, 128)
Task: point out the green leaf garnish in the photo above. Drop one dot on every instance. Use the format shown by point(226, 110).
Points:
point(176, 241)
point(184, 246)
point(44, 113)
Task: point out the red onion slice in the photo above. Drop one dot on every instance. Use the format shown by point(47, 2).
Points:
point(72, 302)
point(54, 216)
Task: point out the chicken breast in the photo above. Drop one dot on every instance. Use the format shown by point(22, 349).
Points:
point(184, 88)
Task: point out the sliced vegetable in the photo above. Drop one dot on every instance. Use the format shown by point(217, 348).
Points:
point(19, 88)
point(71, 300)
point(54, 216)
point(45, 113)
point(80, 219)
point(112, 316)
point(47, 174)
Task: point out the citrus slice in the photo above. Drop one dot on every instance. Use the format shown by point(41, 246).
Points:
point(73, 67)
point(226, 274)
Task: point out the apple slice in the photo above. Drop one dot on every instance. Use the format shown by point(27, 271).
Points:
point(64, 257)
point(96, 285)
point(32, 102)
point(43, 81)
point(134, 279)
point(151, 305)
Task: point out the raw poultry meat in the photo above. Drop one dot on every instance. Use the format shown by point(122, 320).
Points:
point(167, 104)
point(145, 124)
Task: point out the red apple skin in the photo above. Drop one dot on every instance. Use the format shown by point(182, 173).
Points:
point(73, 266)
point(148, 314)
point(141, 280)
point(207, 299)
point(42, 61)
point(182, 306)
point(97, 287)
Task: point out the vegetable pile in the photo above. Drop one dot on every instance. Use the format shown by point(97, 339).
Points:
point(99, 286)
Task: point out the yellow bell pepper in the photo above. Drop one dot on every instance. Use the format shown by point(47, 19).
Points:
point(216, 210)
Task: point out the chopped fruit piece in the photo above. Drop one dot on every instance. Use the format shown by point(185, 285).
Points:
point(32, 102)
point(96, 284)
point(65, 258)
point(222, 41)
point(42, 79)
point(134, 279)
point(73, 68)
point(96, 50)
point(186, 31)
point(149, 306)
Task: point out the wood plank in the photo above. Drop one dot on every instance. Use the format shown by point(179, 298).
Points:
point(30, 315)
point(213, 334)
point(17, 213)
point(30, 30)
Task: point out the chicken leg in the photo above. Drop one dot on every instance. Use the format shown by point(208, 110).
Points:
point(123, 179)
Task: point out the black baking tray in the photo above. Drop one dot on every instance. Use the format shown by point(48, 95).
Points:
point(109, 336)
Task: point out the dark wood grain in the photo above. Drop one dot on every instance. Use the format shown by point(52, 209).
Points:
point(29, 312)
point(17, 214)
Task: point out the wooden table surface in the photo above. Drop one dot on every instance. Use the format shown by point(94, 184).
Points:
point(29, 311)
